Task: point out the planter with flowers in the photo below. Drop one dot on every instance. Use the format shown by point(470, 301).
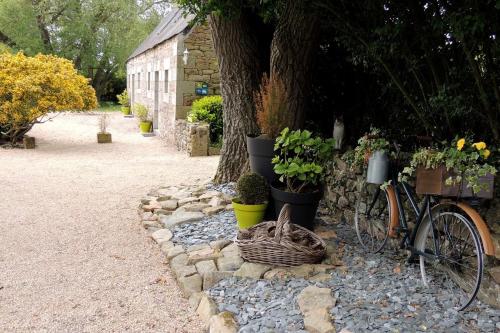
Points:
point(251, 201)
point(300, 163)
point(460, 170)
point(270, 103)
point(142, 114)
point(124, 101)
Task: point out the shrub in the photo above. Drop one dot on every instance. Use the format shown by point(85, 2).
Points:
point(208, 109)
point(141, 112)
point(123, 98)
point(32, 87)
point(270, 103)
point(252, 189)
point(301, 159)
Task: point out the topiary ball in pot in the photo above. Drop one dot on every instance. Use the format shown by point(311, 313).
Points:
point(251, 202)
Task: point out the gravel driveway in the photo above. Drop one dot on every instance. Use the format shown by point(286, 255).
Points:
point(73, 257)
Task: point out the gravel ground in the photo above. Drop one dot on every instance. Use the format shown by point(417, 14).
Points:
point(73, 257)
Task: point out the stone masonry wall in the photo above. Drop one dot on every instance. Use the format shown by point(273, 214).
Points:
point(192, 137)
point(344, 184)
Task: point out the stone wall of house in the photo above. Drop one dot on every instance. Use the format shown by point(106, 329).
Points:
point(342, 189)
point(177, 81)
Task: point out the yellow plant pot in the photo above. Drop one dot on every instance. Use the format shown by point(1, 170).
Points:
point(248, 215)
point(125, 110)
point(145, 126)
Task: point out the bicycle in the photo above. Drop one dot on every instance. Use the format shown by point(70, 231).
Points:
point(449, 237)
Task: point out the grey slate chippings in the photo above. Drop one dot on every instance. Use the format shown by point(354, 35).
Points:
point(208, 229)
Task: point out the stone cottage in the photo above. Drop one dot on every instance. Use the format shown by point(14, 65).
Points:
point(173, 66)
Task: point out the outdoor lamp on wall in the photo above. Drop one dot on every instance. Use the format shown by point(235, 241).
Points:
point(185, 56)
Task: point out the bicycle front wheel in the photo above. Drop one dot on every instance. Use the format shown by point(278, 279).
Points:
point(372, 217)
point(451, 256)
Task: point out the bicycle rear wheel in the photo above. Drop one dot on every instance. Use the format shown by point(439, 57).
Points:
point(372, 217)
point(453, 257)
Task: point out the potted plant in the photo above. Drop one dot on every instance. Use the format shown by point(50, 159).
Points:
point(270, 104)
point(251, 201)
point(142, 114)
point(372, 153)
point(103, 136)
point(459, 170)
point(300, 163)
point(124, 101)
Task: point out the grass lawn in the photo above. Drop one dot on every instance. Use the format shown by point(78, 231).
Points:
point(108, 107)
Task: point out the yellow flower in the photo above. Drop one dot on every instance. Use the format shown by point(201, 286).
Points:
point(479, 145)
point(460, 144)
point(486, 153)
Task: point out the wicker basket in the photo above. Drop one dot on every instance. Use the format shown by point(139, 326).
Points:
point(280, 243)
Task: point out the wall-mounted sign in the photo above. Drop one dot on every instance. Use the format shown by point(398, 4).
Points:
point(201, 88)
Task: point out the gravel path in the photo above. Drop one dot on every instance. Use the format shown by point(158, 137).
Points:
point(72, 256)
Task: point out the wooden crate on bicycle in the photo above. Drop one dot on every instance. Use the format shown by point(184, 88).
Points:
point(433, 182)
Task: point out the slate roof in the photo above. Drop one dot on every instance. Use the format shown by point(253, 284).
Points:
point(172, 24)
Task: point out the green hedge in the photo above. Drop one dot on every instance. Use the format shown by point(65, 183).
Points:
point(208, 109)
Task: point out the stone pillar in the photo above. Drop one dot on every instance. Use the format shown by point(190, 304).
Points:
point(198, 140)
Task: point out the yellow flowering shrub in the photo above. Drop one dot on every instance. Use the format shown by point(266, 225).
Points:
point(32, 87)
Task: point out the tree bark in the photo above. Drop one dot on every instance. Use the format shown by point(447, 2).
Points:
point(237, 49)
point(292, 57)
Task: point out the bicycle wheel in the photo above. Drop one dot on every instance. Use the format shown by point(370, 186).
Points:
point(372, 217)
point(453, 257)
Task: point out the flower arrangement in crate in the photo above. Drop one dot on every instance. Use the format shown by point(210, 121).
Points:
point(460, 169)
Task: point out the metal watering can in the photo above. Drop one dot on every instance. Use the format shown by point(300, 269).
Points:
point(378, 168)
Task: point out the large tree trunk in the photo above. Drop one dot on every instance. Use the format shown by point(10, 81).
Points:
point(237, 49)
point(292, 56)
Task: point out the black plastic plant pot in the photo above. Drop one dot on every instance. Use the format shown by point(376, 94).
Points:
point(261, 152)
point(303, 205)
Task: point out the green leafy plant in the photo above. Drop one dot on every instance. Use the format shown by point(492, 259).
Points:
point(123, 98)
point(467, 161)
point(252, 189)
point(208, 109)
point(301, 159)
point(141, 112)
point(367, 144)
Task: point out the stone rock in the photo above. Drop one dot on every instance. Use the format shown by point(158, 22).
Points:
point(321, 277)
point(211, 278)
point(194, 300)
point(195, 207)
point(175, 251)
point(184, 271)
point(148, 216)
point(312, 297)
point(223, 322)
point(205, 266)
point(181, 218)
point(209, 195)
point(191, 284)
point(343, 202)
point(178, 261)
point(230, 250)
point(187, 200)
point(318, 321)
point(180, 195)
point(159, 212)
point(209, 211)
point(220, 244)
point(150, 224)
point(252, 270)
point(163, 198)
point(495, 273)
point(216, 201)
point(201, 255)
point(206, 309)
point(147, 199)
point(327, 234)
point(197, 247)
point(151, 206)
point(162, 235)
point(229, 207)
point(231, 263)
point(169, 204)
point(198, 191)
point(165, 246)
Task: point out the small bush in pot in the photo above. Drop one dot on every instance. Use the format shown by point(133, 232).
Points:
point(251, 201)
point(103, 136)
point(142, 114)
point(300, 163)
point(124, 101)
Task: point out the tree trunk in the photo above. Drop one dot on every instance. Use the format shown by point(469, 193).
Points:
point(292, 57)
point(236, 47)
